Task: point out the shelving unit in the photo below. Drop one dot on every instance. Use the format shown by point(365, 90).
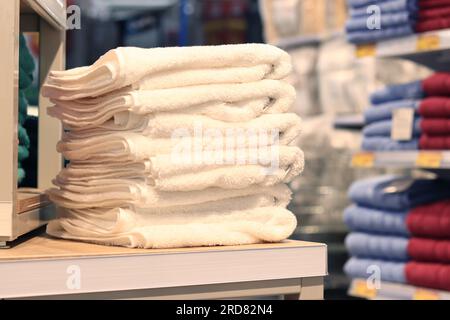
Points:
point(352, 121)
point(394, 291)
point(403, 159)
point(24, 210)
point(430, 49)
point(45, 267)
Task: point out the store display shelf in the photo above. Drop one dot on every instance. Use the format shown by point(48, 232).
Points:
point(52, 11)
point(394, 291)
point(306, 40)
point(354, 121)
point(430, 49)
point(403, 159)
point(43, 266)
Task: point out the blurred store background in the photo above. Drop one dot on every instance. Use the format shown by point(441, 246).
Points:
point(332, 86)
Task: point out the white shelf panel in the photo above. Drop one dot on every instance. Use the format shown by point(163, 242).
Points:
point(403, 159)
point(354, 121)
point(41, 266)
point(394, 291)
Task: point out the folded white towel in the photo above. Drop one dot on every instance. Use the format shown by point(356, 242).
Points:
point(166, 125)
point(145, 196)
point(165, 175)
point(227, 102)
point(168, 68)
point(130, 146)
point(150, 230)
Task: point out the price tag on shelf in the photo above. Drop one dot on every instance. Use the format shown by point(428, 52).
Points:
point(430, 159)
point(421, 294)
point(360, 289)
point(363, 159)
point(428, 42)
point(366, 50)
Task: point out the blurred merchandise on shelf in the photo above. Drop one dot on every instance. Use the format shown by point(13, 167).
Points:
point(293, 19)
point(400, 230)
point(418, 108)
point(376, 20)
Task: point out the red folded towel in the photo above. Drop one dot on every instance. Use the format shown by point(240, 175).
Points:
point(429, 250)
point(437, 84)
point(435, 107)
point(431, 220)
point(434, 142)
point(433, 3)
point(432, 24)
point(435, 126)
point(440, 12)
point(428, 275)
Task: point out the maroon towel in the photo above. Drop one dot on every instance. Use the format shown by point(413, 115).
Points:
point(432, 24)
point(428, 275)
point(435, 126)
point(437, 84)
point(431, 220)
point(434, 142)
point(440, 12)
point(429, 250)
point(425, 4)
point(435, 107)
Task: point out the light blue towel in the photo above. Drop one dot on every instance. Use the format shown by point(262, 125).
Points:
point(363, 268)
point(383, 129)
point(384, 111)
point(372, 36)
point(387, 20)
point(387, 144)
point(364, 245)
point(386, 7)
point(397, 193)
point(363, 3)
point(387, 222)
point(407, 91)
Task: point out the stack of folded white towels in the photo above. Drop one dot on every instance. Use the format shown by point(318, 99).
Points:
point(176, 147)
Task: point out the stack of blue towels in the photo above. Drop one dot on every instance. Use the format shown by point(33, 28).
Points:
point(397, 19)
point(378, 117)
point(377, 220)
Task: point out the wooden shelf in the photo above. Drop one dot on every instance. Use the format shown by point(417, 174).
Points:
point(42, 266)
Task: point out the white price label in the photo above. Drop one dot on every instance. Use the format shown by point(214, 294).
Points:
point(402, 124)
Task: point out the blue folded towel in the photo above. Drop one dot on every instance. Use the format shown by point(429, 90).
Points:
point(364, 245)
point(384, 111)
point(387, 144)
point(383, 129)
point(406, 91)
point(387, 20)
point(362, 268)
point(387, 222)
point(385, 7)
point(397, 193)
point(363, 3)
point(371, 36)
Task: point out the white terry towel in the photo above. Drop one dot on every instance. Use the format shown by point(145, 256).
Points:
point(166, 125)
point(159, 68)
point(125, 146)
point(145, 196)
point(146, 229)
point(165, 175)
point(227, 102)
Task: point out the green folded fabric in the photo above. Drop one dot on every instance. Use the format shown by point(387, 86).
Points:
point(24, 139)
point(23, 153)
point(26, 60)
point(25, 79)
point(20, 174)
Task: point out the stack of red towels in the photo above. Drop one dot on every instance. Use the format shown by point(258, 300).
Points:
point(434, 111)
point(433, 15)
point(429, 246)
